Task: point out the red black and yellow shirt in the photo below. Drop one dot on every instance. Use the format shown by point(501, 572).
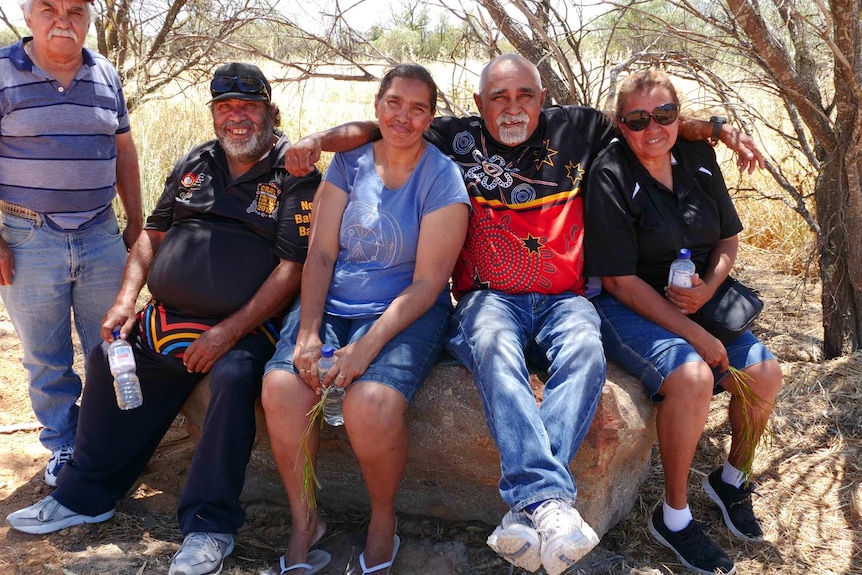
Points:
point(527, 222)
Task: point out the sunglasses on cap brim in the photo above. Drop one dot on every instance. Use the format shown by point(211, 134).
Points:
point(243, 84)
point(638, 120)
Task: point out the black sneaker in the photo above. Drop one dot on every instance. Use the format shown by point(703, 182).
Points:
point(692, 547)
point(735, 504)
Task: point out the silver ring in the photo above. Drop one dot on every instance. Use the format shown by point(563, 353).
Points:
point(303, 371)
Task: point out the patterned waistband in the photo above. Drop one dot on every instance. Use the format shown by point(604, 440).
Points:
point(19, 211)
point(170, 334)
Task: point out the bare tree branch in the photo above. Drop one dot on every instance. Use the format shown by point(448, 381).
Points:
point(8, 23)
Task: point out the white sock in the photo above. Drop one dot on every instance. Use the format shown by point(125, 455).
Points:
point(676, 519)
point(731, 475)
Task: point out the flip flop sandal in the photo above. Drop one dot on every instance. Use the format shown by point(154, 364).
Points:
point(367, 570)
point(317, 560)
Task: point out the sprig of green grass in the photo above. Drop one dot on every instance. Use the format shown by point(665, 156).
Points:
point(310, 482)
point(750, 401)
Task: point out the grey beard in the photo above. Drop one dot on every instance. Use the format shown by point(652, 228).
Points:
point(513, 136)
point(251, 151)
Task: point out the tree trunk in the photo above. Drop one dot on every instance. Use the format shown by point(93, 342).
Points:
point(840, 260)
point(529, 48)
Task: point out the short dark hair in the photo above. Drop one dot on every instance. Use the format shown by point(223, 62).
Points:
point(413, 72)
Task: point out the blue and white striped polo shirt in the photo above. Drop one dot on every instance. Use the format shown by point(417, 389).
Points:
point(57, 147)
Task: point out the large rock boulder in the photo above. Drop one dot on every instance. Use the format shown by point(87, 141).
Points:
point(454, 466)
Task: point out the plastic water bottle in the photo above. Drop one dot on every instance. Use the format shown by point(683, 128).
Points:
point(334, 393)
point(681, 270)
point(127, 386)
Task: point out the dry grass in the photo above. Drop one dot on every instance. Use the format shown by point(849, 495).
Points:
point(771, 226)
point(808, 479)
point(809, 475)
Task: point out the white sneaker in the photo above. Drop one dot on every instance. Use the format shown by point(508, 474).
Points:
point(59, 458)
point(517, 542)
point(202, 554)
point(48, 516)
point(566, 537)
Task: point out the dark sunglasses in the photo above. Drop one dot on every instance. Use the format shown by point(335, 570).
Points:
point(244, 84)
point(638, 120)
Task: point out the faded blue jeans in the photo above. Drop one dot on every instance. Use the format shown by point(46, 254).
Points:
point(494, 335)
point(59, 273)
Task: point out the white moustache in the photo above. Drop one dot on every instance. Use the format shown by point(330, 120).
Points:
point(62, 32)
point(508, 118)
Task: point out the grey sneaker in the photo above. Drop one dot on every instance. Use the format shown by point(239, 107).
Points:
point(565, 536)
point(48, 516)
point(517, 542)
point(202, 554)
point(58, 459)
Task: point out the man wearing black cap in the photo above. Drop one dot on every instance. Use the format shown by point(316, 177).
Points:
point(222, 256)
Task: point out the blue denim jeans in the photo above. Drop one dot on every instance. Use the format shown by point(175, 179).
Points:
point(57, 271)
point(651, 353)
point(495, 335)
point(403, 363)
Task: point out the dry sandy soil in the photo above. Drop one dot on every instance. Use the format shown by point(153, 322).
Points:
point(809, 481)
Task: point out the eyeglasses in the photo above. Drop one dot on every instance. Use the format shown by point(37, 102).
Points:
point(244, 84)
point(638, 120)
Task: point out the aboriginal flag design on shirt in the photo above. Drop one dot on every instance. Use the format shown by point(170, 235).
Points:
point(527, 219)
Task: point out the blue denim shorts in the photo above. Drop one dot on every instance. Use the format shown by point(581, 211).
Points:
point(403, 363)
point(652, 352)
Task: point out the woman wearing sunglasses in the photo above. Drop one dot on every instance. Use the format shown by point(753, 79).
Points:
point(650, 194)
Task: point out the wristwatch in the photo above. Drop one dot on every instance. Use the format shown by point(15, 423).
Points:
point(717, 123)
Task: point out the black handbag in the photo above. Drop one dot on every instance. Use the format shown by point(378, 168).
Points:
point(730, 312)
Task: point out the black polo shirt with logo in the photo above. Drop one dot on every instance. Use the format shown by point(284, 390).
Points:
point(636, 225)
point(223, 236)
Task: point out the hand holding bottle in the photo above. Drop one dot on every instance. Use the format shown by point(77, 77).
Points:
point(121, 360)
point(332, 408)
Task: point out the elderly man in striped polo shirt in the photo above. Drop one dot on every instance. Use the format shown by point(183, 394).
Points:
point(65, 151)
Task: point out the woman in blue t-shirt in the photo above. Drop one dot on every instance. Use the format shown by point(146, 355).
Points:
point(650, 194)
point(387, 225)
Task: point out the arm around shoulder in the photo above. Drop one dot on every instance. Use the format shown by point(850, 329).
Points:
point(300, 158)
point(749, 156)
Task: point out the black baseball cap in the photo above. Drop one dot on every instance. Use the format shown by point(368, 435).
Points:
point(240, 81)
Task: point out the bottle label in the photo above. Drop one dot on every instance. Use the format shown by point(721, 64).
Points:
point(121, 358)
point(680, 278)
